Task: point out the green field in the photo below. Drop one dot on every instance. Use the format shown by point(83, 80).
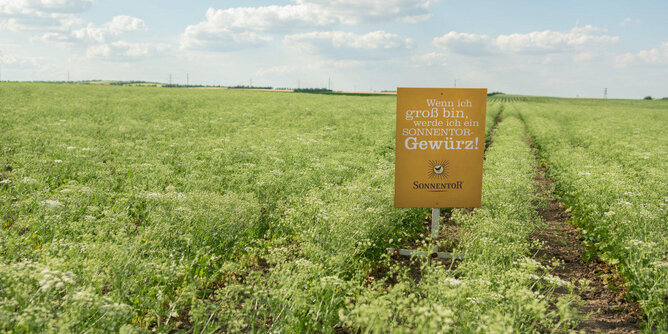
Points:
point(139, 209)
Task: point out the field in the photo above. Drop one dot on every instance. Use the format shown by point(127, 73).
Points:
point(139, 209)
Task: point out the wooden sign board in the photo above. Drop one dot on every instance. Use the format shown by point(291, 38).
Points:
point(439, 147)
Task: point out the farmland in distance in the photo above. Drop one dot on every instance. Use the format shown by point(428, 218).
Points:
point(142, 209)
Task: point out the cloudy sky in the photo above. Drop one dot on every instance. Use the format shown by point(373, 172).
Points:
point(556, 48)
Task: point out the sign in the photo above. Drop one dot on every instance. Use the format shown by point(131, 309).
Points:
point(439, 147)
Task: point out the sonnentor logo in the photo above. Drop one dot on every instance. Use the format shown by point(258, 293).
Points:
point(438, 169)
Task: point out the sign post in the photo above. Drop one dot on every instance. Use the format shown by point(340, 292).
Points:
point(440, 141)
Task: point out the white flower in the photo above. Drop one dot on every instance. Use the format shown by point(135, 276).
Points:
point(660, 264)
point(71, 147)
point(453, 282)
point(5, 181)
point(28, 180)
point(303, 262)
point(57, 161)
point(51, 203)
point(584, 173)
point(556, 280)
point(609, 213)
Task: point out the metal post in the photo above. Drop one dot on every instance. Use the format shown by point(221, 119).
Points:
point(435, 220)
point(435, 216)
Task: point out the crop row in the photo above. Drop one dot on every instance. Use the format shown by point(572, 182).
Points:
point(609, 163)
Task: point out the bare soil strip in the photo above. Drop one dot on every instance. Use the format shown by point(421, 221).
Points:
point(604, 305)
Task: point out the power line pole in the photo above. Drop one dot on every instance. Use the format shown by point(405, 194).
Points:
point(187, 79)
point(170, 78)
point(605, 93)
point(455, 83)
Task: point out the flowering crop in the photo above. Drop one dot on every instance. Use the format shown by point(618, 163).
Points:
point(128, 209)
point(609, 160)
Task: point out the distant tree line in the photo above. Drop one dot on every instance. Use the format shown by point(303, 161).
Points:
point(312, 90)
point(249, 87)
point(184, 86)
point(132, 82)
point(495, 93)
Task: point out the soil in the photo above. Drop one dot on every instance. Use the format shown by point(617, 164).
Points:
point(604, 306)
point(448, 239)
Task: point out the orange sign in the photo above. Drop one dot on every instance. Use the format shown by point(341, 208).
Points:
point(439, 148)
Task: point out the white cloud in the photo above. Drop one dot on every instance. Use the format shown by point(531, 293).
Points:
point(104, 41)
point(628, 21)
point(370, 11)
point(41, 7)
point(236, 28)
point(308, 67)
point(269, 18)
point(13, 61)
point(97, 34)
point(466, 44)
point(346, 45)
point(123, 23)
point(538, 42)
point(19, 15)
point(586, 56)
point(242, 27)
point(429, 59)
point(124, 51)
point(655, 56)
point(199, 39)
point(554, 41)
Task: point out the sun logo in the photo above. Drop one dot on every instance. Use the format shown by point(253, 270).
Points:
point(438, 169)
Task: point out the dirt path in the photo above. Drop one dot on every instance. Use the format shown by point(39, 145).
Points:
point(609, 311)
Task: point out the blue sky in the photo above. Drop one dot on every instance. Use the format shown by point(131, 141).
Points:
point(556, 48)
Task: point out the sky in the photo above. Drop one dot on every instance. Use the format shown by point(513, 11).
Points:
point(536, 47)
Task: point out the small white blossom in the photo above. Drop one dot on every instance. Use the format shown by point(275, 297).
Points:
point(556, 280)
point(453, 282)
point(28, 180)
point(51, 203)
